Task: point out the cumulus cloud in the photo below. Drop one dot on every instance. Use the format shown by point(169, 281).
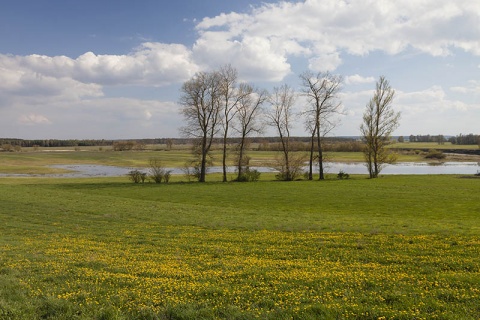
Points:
point(323, 30)
point(358, 79)
point(152, 64)
point(261, 42)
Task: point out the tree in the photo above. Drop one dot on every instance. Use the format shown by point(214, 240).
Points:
point(321, 91)
point(230, 97)
point(280, 116)
point(248, 109)
point(169, 144)
point(200, 102)
point(379, 121)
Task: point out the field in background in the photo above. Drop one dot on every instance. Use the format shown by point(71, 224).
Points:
point(403, 247)
point(433, 145)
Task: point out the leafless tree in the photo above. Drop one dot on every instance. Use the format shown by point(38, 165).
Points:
point(321, 91)
point(200, 102)
point(249, 108)
point(229, 100)
point(280, 116)
point(379, 121)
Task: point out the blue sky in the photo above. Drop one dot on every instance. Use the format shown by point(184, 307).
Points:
point(113, 69)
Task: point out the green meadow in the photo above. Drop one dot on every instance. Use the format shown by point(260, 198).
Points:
point(397, 247)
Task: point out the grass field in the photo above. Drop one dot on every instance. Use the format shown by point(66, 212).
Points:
point(398, 247)
point(432, 145)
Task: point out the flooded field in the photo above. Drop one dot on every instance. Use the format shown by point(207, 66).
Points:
point(83, 170)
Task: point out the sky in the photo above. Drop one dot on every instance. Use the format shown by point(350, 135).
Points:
point(110, 69)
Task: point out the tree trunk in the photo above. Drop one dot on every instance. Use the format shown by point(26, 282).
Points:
point(240, 159)
point(203, 163)
point(320, 155)
point(310, 163)
point(224, 161)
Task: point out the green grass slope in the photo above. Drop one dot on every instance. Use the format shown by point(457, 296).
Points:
point(400, 247)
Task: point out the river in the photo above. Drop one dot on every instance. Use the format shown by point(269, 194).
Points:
point(83, 170)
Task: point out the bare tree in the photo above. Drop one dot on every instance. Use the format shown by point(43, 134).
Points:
point(201, 109)
point(321, 91)
point(249, 108)
point(379, 121)
point(280, 116)
point(230, 97)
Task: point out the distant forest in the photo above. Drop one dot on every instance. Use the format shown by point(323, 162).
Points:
point(460, 139)
point(166, 141)
point(469, 139)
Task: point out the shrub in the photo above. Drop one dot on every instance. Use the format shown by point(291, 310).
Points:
point(123, 145)
point(137, 176)
point(249, 176)
point(157, 172)
point(435, 154)
point(191, 172)
point(166, 176)
point(343, 175)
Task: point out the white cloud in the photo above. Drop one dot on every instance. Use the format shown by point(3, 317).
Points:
point(254, 57)
point(472, 87)
point(32, 119)
point(325, 62)
point(21, 82)
point(433, 99)
point(261, 42)
point(153, 64)
point(323, 30)
point(358, 79)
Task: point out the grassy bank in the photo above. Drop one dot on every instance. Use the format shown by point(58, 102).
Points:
point(398, 247)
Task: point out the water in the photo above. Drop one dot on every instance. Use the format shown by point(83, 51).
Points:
point(83, 170)
point(408, 168)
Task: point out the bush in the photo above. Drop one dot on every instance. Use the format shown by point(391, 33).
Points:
point(137, 176)
point(343, 175)
point(158, 173)
point(435, 154)
point(123, 145)
point(166, 176)
point(192, 171)
point(249, 176)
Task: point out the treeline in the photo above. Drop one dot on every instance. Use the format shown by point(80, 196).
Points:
point(83, 143)
point(427, 138)
point(468, 139)
point(465, 139)
point(131, 143)
point(54, 142)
